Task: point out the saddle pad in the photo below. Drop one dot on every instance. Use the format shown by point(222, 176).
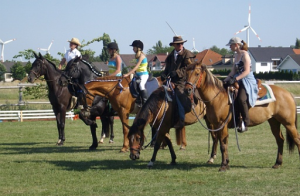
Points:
point(268, 98)
point(151, 86)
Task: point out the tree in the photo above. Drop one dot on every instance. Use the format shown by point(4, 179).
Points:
point(160, 49)
point(18, 71)
point(221, 51)
point(27, 54)
point(297, 45)
point(2, 71)
point(27, 67)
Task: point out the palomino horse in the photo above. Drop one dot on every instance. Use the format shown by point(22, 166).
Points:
point(158, 112)
point(59, 96)
point(282, 111)
point(77, 72)
point(116, 90)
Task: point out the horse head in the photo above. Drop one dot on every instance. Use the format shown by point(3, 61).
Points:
point(194, 75)
point(136, 138)
point(72, 71)
point(37, 69)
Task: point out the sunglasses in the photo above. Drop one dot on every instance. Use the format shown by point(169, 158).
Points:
point(178, 44)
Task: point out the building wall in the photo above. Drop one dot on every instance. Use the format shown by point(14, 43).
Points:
point(290, 65)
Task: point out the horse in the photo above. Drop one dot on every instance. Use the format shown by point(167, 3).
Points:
point(60, 97)
point(116, 90)
point(218, 112)
point(77, 72)
point(158, 112)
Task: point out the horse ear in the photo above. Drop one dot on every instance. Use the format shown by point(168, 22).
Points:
point(35, 55)
point(77, 58)
point(41, 56)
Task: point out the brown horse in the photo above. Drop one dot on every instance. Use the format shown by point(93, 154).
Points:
point(116, 90)
point(282, 111)
point(158, 112)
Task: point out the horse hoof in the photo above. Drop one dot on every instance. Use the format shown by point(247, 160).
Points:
point(92, 148)
point(209, 162)
point(182, 148)
point(223, 168)
point(150, 165)
point(100, 142)
point(173, 163)
point(111, 141)
point(276, 166)
point(123, 150)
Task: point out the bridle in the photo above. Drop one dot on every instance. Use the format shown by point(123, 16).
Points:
point(137, 148)
point(38, 74)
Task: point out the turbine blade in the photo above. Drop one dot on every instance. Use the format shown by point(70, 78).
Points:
point(172, 29)
point(50, 45)
point(43, 49)
point(242, 30)
point(249, 14)
point(9, 41)
point(255, 34)
point(1, 42)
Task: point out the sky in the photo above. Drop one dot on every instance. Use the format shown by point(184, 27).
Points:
point(35, 23)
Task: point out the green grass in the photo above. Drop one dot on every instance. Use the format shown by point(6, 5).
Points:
point(31, 164)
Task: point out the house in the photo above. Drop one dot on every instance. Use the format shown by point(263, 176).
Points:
point(101, 66)
point(290, 63)
point(296, 51)
point(158, 62)
point(226, 63)
point(208, 57)
point(8, 65)
point(266, 59)
point(128, 60)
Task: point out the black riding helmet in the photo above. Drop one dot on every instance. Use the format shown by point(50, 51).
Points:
point(113, 45)
point(138, 44)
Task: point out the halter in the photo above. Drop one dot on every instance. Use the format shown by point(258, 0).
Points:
point(38, 74)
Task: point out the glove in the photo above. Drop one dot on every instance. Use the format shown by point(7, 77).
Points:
point(231, 81)
point(173, 74)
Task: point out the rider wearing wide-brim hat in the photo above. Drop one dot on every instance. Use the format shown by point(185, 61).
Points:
point(141, 68)
point(72, 52)
point(176, 63)
point(114, 63)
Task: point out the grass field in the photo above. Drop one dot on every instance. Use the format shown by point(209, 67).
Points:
point(31, 164)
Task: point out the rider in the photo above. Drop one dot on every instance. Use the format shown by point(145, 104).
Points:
point(241, 72)
point(115, 61)
point(72, 53)
point(140, 68)
point(176, 63)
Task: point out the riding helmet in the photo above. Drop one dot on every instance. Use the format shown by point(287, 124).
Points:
point(113, 45)
point(138, 44)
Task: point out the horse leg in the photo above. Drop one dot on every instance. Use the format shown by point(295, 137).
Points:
point(275, 127)
point(213, 154)
point(173, 155)
point(111, 127)
point(124, 119)
point(156, 148)
point(104, 128)
point(60, 121)
point(153, 135)
point(183, 139)
point(94, 135)
point(223, 138)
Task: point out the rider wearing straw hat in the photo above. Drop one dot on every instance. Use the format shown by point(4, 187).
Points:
point(72, 53)
point(176, 63)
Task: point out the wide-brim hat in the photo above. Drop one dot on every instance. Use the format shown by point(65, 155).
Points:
point(177, 40)
point(75, 41)
point(234, 40)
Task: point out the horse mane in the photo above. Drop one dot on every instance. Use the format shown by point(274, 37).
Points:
point(51, 63)
point(212, 80)
point(92, 68)
point(150, 107)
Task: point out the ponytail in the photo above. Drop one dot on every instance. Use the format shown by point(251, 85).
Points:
point(244, 46)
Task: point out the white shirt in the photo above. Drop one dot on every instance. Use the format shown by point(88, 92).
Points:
point(175, 54)
point(72, 54)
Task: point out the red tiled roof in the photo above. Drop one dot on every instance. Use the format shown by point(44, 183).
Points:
point(208, 57)
point(296, 51)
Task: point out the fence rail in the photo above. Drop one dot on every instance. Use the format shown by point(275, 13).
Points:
point(21, 115)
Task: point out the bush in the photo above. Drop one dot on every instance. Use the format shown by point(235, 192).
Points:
point(2, 72)
point(18, 71)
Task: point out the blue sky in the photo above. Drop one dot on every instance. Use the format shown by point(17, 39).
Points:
point(35, 23)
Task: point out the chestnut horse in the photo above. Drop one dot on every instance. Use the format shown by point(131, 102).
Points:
point(116, 90)
point(282, 111)
point(59, 97)
point(158, 112)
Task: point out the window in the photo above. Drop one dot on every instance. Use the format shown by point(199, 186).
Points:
point(264, 64)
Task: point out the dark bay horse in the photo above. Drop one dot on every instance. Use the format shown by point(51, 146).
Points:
point(77, 72)
point(158, 112)
point(281, 112)
point(59, 96)
point(116, 90)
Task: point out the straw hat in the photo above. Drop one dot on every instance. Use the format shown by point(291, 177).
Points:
point(177, 40)
point(75, 40)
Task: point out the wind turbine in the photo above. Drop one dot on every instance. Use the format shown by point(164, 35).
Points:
point(194, 47)
point(173, 30)
point(249, 27)
point(2, 47)
point(48, 49)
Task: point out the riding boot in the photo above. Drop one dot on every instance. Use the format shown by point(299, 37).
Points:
point(181, 112)
point(245, 116)
point(144, 96)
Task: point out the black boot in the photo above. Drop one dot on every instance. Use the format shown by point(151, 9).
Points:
point(144, 96)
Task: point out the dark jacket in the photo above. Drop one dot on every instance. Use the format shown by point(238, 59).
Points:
point(184, 58)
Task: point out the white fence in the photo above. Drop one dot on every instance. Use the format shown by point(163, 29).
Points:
point(21, 115)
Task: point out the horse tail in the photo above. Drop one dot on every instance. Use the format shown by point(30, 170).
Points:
point(290, 139)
